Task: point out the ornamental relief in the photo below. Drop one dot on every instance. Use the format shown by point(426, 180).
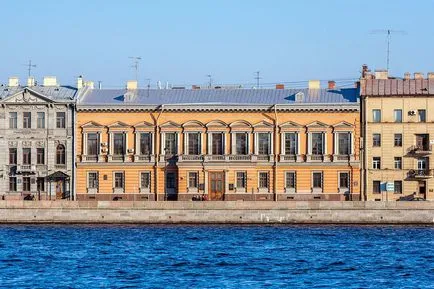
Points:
point(27, 143)
point(26, 97)
point(12, 144)
point(40, 144)
point(58, 142)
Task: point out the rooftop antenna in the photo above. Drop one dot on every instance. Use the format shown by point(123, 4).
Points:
point(29, 67)
point(210, 80)
point(257, 77)
point(149, 82)
point(135, 60)
point(388, 33)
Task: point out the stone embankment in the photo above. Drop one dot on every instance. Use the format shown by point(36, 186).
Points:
point(229, 212)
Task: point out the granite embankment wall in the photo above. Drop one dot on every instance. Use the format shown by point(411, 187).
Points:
point(294, 212)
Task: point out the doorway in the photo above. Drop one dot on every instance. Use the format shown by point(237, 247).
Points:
point(422, 189)
point(216, 186)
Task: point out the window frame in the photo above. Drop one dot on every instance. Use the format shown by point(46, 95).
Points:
point(221, 144)
point(290, 181)
point(397, 142)
point(313, 140)
point(239, 149)
point(395, 191)
point(13, 121)
point(264, 145)
point(376, 163)
point(145, 143)
point(291, 145)
point(376, 140)
point(261, 181)
point(193, 149)
point(12, 185)
point(27, 120)
point(89, 144)
point(60, 119)
point(60, 154)
point(396, 161)
point(420, 113)
point(375, 187)
point(27, 182)
point(119, 185)
point(317, 189)
point(40, 157)
point(143, 180)
point(13, 156)
point(378, 118)
point(27, 156)
point(397, 112)
point(193, 181)
point(348, 136)
point(40, 122)
point(242, 179)
point(119, 145)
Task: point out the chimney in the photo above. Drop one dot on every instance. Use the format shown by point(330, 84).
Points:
point(280, 86)
point(131, 84)
point(407, 75)
point(331, 84)
point(31, 81)
point(418, 75)
point(430, 75)
point(89, 84)
point(314, 84)
point(13, 81)
point(194, 86)
point(50, 81)
point(99, 84)
point(80, 82)
point(381, 74)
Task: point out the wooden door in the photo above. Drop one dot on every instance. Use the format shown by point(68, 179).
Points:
point(216, 186)
point(59, 189)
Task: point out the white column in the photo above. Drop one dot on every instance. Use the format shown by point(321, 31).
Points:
point(248, 142)
point(351, 143)
point(110, 143)
point(335, 144)
point(224, 143)
point(297, 135)
point(163, 141)
point(255, 148)
point(126, 142)
point(136, 143)
point(206, 182)
point(271, 143)
point(209, 142)
point(233, 143)
point(325, 142)
point(98, 146)
point(201, 142)
point(282, 143)
point(152, 143)
point(178, 142)
point(309, 143)
point(185, 135)
point(84, 141)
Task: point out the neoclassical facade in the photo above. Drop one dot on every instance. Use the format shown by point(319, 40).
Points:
point(36, 140)
point(218, 144)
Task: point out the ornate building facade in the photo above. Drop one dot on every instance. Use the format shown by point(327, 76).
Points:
point(398, 135)
point(36, 139)
point(218, 144)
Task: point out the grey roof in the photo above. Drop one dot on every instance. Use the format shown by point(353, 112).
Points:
point(57, 93)
point(217, 96)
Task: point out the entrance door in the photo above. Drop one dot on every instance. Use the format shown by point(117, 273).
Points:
point(60, 188)
point(216, 186)
point(422, 189)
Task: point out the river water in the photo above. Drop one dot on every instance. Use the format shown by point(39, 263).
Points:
point(216, 256)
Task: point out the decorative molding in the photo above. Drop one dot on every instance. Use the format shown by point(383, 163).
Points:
point(12, 144)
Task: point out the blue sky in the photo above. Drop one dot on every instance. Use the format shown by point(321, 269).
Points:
point(183, 41)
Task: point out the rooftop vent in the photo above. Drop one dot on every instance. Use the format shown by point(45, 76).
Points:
point(430, 75)
point(314, 84)
point(31, 81)
point(418, 75)
point(50, 81)
point(280, 86)
point(299, 96)
point(13, 81)
point(381, 74)
point(131, 84)
point(331, 84)
point(407, 75)
point(89, 84)
point(80, 82)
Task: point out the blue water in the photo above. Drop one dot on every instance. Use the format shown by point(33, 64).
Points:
point(216, 256)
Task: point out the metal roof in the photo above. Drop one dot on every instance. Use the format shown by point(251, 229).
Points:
point(391, 87)
point(217, 96)
point(57, 93)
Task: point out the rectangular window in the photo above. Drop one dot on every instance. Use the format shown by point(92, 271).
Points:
point(376, 187)
point(92, 144)
point(422, 142)
point(422, 163)
point(40, 184)
point(241, 180)
point(40, 123)
point(317, 180)
point(376, 115)
point(27, 120)
point(317, 143)
point(118, 143)
point(170, 181)
point(145, 180)
point(397, 114)
point(12, 156)
point(397, 140)
point(376, 140)
point(376, 163)
point(40, 156)
point(26, 184)
point(119, 180)
point(27, 157)
point(290, 180)
point(398, 163)
point(344, 180)
point(241, 143)
point(290, 143)
point(397, 185)
point(421, 115)
point(13, 120)
point(60, 120)
point(217, 143)
point(193, 180)
point(145, 144)
point(171, 147)
point(13, 184)
point(92, 180)
point(193, 143)
point(263, 180)
point(344, 143)
point(263, 143)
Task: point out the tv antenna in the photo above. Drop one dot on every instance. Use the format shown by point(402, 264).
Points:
point(257, 78)
point(210, 80)
point(135, 60)
point(29, 67)
point(388, 33)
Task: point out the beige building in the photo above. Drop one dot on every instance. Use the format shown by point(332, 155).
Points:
point(397, 136)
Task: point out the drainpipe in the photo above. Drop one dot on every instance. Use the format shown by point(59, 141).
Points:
point(365, 159)
point(157, 149)
point(74, 137)
point(276, 123)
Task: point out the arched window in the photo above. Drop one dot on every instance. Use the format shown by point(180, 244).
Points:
point(60, 155)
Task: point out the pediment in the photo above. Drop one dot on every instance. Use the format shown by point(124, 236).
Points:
point(317, 124)
point(143, 124)
point(92, 124)
point(343, 124)
point(170, 124)
point(193, 123)
point(27, 95)
point(216, 123)
point(290, 124)
point(263, 124)
point(240, 123)
point(118, 124)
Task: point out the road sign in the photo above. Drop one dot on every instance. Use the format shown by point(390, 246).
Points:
point(390, 186)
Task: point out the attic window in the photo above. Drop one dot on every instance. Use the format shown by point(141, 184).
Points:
point(299, 96)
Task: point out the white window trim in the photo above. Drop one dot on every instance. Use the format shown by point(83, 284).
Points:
point(290, 190)
point(343, 190)
point(186, 141)
point(192, 189)
point(163, 141)
point(234, 143)
point(336, 140)
point(264, 190)
point(118, 190)
point(92, 190)
point(137, 134)
point(141, 189)
point(240, 190)
point(317, 190)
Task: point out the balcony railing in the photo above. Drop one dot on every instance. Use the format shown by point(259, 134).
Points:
point(144, 158)
point(240, 157)
point(193, 158)
point(343, 158)
point(90, 158)
point(420, 149)
point(25, 168)
point(420, 174)
point(60, 166)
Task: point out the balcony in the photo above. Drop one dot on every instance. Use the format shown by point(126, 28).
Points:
point(60, 166)
point(26, 168)
point(420, 150)
point(239, 158)
point(144, 158)
point(117, 158)
point(318, 158)
point(420, 174)
point(190, 158)
point(343, 158)
point(290, 158)
point(89, 158)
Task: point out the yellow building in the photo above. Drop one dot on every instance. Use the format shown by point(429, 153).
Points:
point(398, 133)
point(218, 144)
